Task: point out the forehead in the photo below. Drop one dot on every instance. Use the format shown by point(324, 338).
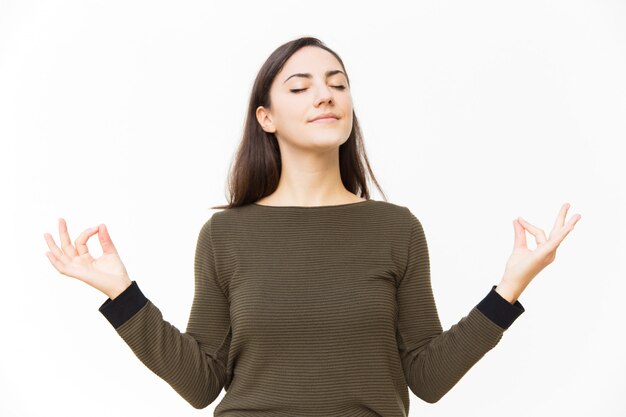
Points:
point(309, 59)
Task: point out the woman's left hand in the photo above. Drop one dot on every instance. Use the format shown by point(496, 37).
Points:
point(524, 264)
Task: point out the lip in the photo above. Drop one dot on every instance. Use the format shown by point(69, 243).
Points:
point(326, 117)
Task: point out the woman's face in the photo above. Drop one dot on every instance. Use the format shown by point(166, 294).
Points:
point(311, 83)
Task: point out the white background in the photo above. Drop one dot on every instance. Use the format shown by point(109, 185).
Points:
point(128, 113)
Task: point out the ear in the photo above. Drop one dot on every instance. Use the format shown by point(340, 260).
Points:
point(265, 120)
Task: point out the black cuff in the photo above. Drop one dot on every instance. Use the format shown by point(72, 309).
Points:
point(499, 310)
point(124, 306)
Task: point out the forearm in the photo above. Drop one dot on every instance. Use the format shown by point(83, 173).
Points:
point(196, 370)
point(433, 369)
point(434, 364)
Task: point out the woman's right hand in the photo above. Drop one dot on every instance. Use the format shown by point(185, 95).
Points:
point(106, 273)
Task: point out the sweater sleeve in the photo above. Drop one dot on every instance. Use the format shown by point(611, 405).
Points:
point(434, 360)
point(192, 363)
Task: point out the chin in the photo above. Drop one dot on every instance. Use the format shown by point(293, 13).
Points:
point(326, 141)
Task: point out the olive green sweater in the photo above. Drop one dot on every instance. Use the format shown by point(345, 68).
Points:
point(311, 311)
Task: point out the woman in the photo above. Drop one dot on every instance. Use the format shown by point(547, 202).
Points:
point(309, 300)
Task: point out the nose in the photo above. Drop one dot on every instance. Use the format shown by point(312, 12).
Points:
point(324, 95)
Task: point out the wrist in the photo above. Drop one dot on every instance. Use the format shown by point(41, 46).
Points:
point(113, 292)
point(508, 291)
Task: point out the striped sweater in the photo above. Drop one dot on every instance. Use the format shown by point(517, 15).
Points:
point(310, 311)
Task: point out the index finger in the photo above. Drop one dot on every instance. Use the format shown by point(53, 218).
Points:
point(66, 244)
point(560, 218)
point(81, 241)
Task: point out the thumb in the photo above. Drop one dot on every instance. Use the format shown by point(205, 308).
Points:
point(520, 235)
point(105, 240)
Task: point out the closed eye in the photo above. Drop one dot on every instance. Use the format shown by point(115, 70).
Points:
point(297, 90)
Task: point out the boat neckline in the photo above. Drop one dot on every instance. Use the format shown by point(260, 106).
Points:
point(314, 207)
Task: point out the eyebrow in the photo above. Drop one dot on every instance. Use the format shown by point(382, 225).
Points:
point(308, 75)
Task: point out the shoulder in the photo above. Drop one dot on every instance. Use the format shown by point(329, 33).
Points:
point(211, 222)
point(402, 214)
point(395, 219)
point(403, 221)
point(224, 220)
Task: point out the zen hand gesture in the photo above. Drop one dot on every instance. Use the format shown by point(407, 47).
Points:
point(106, 273)
point(524, 264)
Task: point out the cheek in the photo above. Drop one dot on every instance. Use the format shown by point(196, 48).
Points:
point(290, 109)
point(290, 121)
point(346, 106)
point(347, 110)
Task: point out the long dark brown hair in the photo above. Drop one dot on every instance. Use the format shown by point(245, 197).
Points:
point(255, 170)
